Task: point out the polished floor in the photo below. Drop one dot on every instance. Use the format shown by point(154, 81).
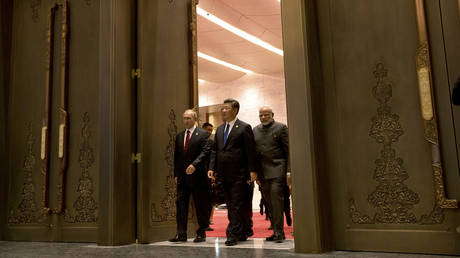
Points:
point(212, 248)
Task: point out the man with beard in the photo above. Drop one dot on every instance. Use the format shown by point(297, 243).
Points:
point(272, 147)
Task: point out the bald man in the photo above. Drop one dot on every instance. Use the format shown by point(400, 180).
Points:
point(272, 147)
point(191, 154)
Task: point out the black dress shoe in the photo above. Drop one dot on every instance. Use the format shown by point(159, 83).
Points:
point(208, 229)
point(199, 239)
point(231, 242)
point(251, 233)
point(242, 238)
point(277, 238)
point(178, 238)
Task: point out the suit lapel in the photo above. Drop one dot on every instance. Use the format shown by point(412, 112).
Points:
point(220, 134)
point(193, 137)
point(181, 140)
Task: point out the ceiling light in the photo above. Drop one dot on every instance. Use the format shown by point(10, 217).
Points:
point(238, 32)
point(217, 61)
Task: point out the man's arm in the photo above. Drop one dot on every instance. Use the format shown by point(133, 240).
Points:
point(213, 156)
point(284, 137)
point(176, 157)
point(205, 151)
point(250, 149)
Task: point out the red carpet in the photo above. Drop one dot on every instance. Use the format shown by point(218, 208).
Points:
point(260, 226)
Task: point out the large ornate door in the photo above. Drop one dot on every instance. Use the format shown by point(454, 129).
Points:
point(164, 92)
point(52, 123)
point(391, 158)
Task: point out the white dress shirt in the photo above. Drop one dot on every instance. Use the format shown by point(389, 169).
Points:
point(191, 133)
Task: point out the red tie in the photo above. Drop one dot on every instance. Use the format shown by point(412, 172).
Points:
point(187, 139)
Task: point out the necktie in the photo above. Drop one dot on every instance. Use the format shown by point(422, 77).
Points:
point(187, 139)
point(227, 127)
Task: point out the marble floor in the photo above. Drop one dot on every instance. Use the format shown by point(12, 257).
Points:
point(213, 247)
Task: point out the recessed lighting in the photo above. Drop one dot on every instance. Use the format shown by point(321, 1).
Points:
point(218, 61)
point(238, 32)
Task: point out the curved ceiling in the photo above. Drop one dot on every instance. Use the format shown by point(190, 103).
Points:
point(260, 18)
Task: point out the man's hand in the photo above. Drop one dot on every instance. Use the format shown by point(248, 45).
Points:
point(190, 169)
point(253, 176)
point(211, 174)
point(289, 181)
point(175, 179)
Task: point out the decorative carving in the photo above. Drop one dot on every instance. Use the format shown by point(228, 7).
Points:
point(169, 201)
point(358, 217)
point(193, 54)
point(27, 211)
point(35, 6)
point(85, 207)
point(436, 216)
point(392, 198)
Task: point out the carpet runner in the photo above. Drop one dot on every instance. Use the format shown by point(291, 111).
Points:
point(260, 226)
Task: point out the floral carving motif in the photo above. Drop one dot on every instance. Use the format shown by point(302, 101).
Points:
point(85, 206)
point(169, 201)
point(392, 199)
point(27, 211)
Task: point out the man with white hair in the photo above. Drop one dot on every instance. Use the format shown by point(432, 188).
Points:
point(272, 147)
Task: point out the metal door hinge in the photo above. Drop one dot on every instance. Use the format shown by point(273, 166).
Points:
point(137, 157)
point(136, 73)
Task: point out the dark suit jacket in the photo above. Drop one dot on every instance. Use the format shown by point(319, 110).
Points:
point(272, 145)
point(234, 160)
point(197, 154)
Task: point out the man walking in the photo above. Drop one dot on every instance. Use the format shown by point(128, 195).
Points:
point(272, 147)
point(234, 165)
point(191, 154)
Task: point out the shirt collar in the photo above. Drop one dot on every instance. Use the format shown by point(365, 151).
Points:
point(191, 129)
point(231, 123)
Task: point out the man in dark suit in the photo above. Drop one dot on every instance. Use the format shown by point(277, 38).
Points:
point(234, 165)
point(272, 147)
point(191, 153)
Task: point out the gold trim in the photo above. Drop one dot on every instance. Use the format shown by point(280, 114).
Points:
point(193, 55)
point(423, 62)
point(43, 145)
point(62, 108)
point(61, 141)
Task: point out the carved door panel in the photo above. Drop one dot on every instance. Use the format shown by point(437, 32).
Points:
point(163, 95)
point(450, 114)
point(53, 182)
point(383, 174)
